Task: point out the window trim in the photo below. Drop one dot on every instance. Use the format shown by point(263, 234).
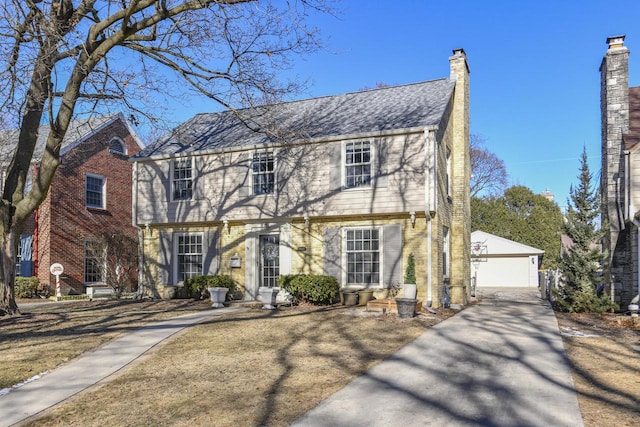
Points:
point(345, 258)
point(273, 172)
point(103, 193)
point(120, 142)
point(372, 165)
point(172, 179)
point(176, 254)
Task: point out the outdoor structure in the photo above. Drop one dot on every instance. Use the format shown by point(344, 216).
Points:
point(90, 195)
point(620, 180)
point(347, 185)
point(500, 262)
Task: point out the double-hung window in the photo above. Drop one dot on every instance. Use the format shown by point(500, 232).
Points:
point(93, 261)
point(189, 255)
point(94, 191)
point(357, 164)
point(182, 180)
point(263, 172)
point(363, 253)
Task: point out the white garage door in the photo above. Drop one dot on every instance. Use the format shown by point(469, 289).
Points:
point(505, 272)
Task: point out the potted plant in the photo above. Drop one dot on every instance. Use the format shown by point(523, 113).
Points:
point(407, 306)
point(219, 287)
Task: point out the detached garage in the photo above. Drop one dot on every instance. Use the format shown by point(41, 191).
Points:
point(500, 262)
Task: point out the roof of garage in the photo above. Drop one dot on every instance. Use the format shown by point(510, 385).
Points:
point(496, 245)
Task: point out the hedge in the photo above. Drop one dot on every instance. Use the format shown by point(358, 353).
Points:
point(315, 289)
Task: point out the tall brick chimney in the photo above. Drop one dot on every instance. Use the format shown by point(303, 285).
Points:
point(614, 105)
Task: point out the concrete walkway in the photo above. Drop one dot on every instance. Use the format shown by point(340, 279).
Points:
point(87, 370)
point(498, 363)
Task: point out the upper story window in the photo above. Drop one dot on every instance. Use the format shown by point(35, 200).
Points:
point(357, 164)
point(182, 181)
point(363, 248)
point(116, 145)
point(448, 183)
point(95, 191)
point(263, 172)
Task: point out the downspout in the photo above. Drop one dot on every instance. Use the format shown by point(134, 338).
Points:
point(428, 207)
point(134, 222)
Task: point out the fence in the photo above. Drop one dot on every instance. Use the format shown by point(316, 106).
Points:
point(548, 280)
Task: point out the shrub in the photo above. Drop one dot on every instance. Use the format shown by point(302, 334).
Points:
point(26, 287)
point(199, 284)
point(315, 289)
point(410, 274)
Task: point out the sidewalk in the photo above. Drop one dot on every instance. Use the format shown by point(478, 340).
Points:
point(89, 369)
point(498, 363)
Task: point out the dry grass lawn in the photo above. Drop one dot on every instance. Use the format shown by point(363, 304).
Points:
point(252, 368)
point(268, 368)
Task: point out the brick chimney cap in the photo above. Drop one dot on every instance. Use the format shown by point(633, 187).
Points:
point(615, 41)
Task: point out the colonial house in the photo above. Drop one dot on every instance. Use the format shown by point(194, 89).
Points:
point(90, 195)
point(620, 180)
point(347, 185)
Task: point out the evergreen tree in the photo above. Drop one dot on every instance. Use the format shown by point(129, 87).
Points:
point(580, 262)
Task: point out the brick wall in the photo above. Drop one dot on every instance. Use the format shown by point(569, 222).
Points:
point(64, 220)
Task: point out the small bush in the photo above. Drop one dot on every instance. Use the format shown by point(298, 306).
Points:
point(199, 284)
point(315, 289)
point(26, 287)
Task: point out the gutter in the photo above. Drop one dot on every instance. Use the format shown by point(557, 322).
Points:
point(430, 161)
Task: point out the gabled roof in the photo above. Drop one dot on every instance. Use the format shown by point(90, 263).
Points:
point(79, 131)
point(360, 113)
point(497, 245)
point(632, 136)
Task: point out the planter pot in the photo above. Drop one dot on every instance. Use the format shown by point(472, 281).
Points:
point(406, 307)
point(364, 296)
point(349, 297)
point(409, 290)
point(218, 296)
point(268, 297)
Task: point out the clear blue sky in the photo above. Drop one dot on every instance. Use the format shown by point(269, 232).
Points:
point(535, 84)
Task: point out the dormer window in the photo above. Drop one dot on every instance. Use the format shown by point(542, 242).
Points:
point(116, 145)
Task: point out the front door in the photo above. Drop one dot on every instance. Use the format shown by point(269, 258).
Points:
point(269, 260)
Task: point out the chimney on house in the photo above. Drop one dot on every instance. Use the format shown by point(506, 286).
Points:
point(614, 106)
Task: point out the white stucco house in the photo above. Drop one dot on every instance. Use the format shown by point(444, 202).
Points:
point(500, 262)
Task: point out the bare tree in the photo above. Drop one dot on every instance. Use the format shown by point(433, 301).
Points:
point(488, 173)
point(114, 258)
point(64, 58)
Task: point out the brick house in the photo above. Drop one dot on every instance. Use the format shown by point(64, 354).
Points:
point(347, 185)
point(620, 179)
point(90, 194)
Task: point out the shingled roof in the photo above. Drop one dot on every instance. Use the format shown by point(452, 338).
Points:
point(632, 136)
point(77, 132)
point(366, 112)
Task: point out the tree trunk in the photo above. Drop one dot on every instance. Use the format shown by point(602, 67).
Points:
point(8, 265)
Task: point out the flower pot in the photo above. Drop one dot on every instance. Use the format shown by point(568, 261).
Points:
point(364, 296)
point(349, 297)
point(268, 297)
point(218, 296)
point(406, 307)
point(409, 290)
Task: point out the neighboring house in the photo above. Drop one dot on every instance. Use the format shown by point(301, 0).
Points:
point(500, 262)
point(346, 185)
point(90, 195)
point(620, 179)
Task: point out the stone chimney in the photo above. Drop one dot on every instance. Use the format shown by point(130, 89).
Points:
point(614, 105)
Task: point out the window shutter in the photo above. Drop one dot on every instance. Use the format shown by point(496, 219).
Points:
point(198, 178)
point(282, 169)
point(335, 167)
point(165, 266)
point(381, 152)
point(244, 184)
point(332, 253)
point(211, 259)
point(392, 254)
point(167, 182)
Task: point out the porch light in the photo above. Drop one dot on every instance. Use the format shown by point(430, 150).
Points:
point(413, 218)
point(307, 222)
point(225, 225)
